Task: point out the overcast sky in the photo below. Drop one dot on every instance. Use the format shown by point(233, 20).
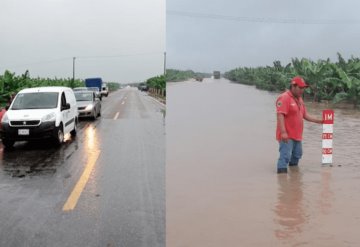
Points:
point(118, 40)
point(205, 35)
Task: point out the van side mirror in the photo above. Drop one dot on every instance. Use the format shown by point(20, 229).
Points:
point(65, 107)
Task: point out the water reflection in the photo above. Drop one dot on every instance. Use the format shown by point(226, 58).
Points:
point(91, 147)
point(37, 157)
point(290, 213)
point(91, 151)
point(91, 139)
point(31, 158)
point(326, 194)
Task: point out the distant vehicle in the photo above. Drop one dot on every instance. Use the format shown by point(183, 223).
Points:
point(88, 104)
point(104, 90)
point(94, 82)
point(38, 113)
point(143, 87)
point(216, 74)
point(198, 78)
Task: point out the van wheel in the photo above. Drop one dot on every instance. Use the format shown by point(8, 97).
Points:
point(94, 115)
point(73, 132)
point(59, 135)
point(8, 143)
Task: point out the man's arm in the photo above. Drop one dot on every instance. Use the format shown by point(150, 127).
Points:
point(313, 119)
point(281, 123)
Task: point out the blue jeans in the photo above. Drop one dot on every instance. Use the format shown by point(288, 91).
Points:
point(290, 152)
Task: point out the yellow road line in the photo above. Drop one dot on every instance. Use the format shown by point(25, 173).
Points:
point(116, 115)
point(80, 185)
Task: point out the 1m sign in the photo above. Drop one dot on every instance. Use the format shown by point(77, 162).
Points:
point(328, 117)
point(327, 136)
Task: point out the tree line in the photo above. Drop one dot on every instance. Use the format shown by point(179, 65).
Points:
point(10, 84)
point(157, 82)
point(332, 81)
point(173, 75)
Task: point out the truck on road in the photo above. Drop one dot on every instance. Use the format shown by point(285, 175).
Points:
point(216, 74)
point(97, 83)
point(94, 82)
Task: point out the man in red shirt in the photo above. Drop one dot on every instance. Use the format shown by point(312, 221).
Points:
point(291, 111)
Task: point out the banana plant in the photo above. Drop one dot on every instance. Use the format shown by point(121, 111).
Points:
point(352, 88)
point(315, 74)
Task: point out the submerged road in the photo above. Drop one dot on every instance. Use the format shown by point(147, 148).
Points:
point(222, 188)
point(105, 187)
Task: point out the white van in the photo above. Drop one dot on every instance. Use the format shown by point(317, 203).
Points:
point(38, 113)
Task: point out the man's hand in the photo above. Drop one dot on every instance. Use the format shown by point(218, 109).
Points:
point(313, 119)
point(283, 133)
point(284, 137)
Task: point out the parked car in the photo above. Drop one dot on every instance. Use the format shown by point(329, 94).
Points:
point(38, 113)
point(88, 104)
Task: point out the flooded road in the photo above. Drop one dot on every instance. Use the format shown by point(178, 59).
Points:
point(105, 187)
point(221, 181)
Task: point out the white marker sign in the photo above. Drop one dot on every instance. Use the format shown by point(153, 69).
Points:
point(327, 136)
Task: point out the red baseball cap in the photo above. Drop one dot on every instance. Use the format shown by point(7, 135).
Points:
point(297, 80)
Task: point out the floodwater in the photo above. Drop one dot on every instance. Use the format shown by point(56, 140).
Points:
point(221, 181)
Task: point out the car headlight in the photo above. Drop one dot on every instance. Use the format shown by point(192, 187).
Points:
point(5, 119)
point(89, 108)
point(49, 117)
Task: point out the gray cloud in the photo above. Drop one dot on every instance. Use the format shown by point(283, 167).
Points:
point(120, 41)
point(209, 35)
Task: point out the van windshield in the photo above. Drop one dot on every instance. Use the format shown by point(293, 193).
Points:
point(38, 100)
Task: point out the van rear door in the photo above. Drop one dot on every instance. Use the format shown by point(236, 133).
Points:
point(66, 114)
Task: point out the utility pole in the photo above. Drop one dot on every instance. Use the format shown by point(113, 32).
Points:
point(73, 80)
point(164, 63)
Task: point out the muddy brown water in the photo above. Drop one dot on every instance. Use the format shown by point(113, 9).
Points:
point(221, 181)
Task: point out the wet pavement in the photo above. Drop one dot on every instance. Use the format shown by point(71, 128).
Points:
point(221, 183)
point(123, 200)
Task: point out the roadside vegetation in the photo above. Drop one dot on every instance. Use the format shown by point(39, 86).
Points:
point(173, 75)
point(157, 87)
point(113, 86)
point(331, 81)
point(10, 84)
point(157, 82)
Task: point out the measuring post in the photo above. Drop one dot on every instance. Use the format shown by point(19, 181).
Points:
point(327, 136)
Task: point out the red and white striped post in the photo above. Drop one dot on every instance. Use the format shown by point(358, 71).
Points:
point(327, 136)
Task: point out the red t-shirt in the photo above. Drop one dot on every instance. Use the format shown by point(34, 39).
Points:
point(294, 111)
point(2, 112)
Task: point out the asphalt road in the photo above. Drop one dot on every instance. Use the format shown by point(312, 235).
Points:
point(105, 187)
